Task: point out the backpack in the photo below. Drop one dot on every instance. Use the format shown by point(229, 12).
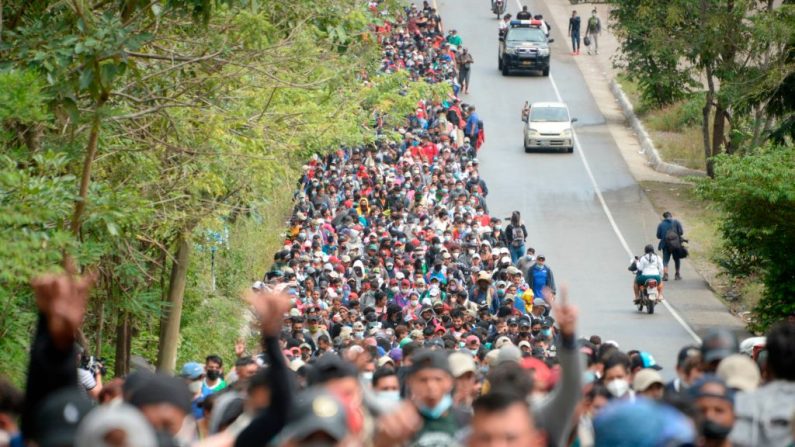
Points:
point(593, 24)
point(672, 240)
point(517, 236)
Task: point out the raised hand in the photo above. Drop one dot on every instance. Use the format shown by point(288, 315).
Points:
point(62, 299)
point(565, 313)
point(270, 306)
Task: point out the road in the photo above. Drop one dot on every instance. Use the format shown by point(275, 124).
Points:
point(559, 199)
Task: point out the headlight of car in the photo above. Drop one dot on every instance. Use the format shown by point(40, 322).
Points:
point(566, 132)
point(511, 51)
point(543, 52)
point(532, 132)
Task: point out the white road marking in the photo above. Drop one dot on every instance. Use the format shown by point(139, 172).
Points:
point(607, 211)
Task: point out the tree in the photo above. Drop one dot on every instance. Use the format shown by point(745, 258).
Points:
point(756, 196)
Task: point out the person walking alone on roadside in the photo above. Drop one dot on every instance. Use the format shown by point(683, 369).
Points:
point(464, 61)
point(670, 232)
point(473, 125)
point(592, 31)
point(574, 33)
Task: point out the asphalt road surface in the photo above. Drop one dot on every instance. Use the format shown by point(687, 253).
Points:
point(586, 239)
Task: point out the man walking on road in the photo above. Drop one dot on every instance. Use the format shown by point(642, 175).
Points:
point(472, 127)
point(670, 232)
point(574, 33)
point(592, 31)
point(464, 61)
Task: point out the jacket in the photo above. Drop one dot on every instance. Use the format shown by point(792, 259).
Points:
point(764, 416)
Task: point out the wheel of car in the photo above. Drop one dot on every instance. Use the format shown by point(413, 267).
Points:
point(499, 63)
point(545, 72)
point(570, 149)
point(526, 147)
point(504, 69)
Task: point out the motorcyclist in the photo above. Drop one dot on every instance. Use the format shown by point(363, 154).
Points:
point(649, 266)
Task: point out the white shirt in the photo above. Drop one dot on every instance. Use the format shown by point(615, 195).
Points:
point(650, 264)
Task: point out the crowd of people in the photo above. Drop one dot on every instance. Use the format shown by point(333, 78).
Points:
point(401, 312)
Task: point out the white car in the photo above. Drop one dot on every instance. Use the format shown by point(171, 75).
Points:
point(547, 126)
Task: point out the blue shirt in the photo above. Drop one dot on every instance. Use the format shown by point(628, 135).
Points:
point(540, 276)
point(471, 127)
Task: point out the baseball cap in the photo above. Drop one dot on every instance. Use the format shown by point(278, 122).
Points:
point(58, 417)
point(645, 360)
point(106, 419)
point(525, 343)
point(502, 341)
point(428, 359)
point(153, 389)
point(383, 360)
point(508, 353)
point(646, 378)
point(316, 411)
point(739, 372)
point(710, 385)
point(330, 366)
point(539, 302)
point(461, 363)
point(192, 371)
point(718, 344)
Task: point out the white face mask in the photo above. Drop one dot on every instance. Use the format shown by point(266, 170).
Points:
point(618, 387)
point(389, 396)
point(367, 376)
point(195, 386)
point(414, 302)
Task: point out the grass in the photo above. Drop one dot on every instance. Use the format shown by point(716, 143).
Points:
point(675, 129)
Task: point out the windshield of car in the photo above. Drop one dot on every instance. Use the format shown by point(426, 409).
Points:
point(534, 35)
point(548, 114)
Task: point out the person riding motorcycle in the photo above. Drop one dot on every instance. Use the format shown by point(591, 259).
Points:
point(649, 266)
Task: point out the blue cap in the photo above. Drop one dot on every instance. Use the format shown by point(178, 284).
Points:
point(192, 370)
point(645, 360)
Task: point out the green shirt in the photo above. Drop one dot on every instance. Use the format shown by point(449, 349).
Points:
point(439, 432)
point(455, 39)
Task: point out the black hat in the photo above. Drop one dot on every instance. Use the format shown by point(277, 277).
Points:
point(718, 344)
point(428, 359)
point(59, 415)
point(316, 411)
point(160, 389)
point(328, 367)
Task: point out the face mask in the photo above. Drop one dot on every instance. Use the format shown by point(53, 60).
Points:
point(474, 352)
point(439, 409)
point(618, 387)
point(164, 439)
point(546, 332)
point(389, 396)
point(414, 302)
point(367, 376)
point(714, 430)
point(359, 334)
point(195, 386)
point(213, 374)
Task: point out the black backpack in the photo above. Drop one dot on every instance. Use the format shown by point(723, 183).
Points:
point(672, 240)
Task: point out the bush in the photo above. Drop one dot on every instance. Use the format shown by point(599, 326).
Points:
point(756, 195)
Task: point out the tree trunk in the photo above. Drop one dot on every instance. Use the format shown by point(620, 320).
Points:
point(719, 130)
point(85, 177)
point(169, 334)
point(122, 364)
point(706, 112)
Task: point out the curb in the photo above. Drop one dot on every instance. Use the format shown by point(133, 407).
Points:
point(646, 144)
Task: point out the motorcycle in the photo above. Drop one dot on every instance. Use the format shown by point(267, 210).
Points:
point(498, 7)
point(649, 296)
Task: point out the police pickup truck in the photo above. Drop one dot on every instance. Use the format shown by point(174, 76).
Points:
point(524, 46)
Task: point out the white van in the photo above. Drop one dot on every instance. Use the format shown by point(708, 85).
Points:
point(547, 126)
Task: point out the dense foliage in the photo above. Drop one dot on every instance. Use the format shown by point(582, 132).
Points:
point(133, 134)
point(756, 194)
